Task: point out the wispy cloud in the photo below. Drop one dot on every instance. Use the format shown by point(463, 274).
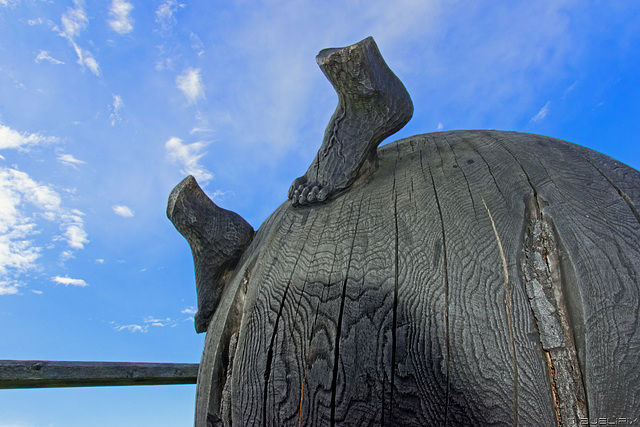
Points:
point(23, 203)
point(66, 255)
point(121, 22)
point(165, 14)
point(542, 113)
point(190, 83)
point(154, 321)
point(440, 126)
point(86, 59)
point(8, 3)
point(123, 211)
point(67, 281)
point(133, 328)
point(43, 55)
point(569, 89)
point(69, 160)
point(73, 226)
point(9, 287)
point(10, 138)
point(147, 323)
point(188, 155)
point(18, 253)
point(74, 20)
point(115, 107)
point(189, 310)
point(196, 44)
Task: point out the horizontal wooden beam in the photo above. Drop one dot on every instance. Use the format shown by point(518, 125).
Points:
point(45, 374)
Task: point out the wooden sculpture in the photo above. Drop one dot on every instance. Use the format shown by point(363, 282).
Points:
point(453, 278)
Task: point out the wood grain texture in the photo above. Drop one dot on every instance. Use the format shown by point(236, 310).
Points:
point(217, 238)
point(474, 278)
point(46, 374)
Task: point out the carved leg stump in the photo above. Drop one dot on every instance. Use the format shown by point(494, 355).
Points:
point(217, 237)
point(372, 105)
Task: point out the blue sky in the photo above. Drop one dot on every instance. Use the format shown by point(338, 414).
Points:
point(106, 105)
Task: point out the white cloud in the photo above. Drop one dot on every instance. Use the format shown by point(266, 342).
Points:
point(122, 22)
point(153, 321)
point(74, 20)
point(73, 226)
point(164, 14)
point(90, 62)
point(18, 253)
point(66, 255)
point(23, 203)
point(189, 310)
point(69, 160)
point(440, 126)
point(115, 107)
point(196, 44)
point(219, 195)
point(86, 59)
point(190, 83)
point(131, 328)
point(16, 186)
point(67, 281)
point(10, 138)
point(147, 323)
point(8, 288)
point(8, 3)
point(123, 211)
point(37, 292)
point(542, 113)
point(43, 55)
point(188, 155)
point(99, 261)
point(200, 130)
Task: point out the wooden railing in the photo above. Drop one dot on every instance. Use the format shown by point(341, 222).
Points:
point(44, 374)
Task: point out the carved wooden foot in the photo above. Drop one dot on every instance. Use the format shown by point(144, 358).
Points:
point(217, 237)
point(372, 105)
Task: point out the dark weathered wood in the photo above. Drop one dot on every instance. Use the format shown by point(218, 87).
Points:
point(45, 374)
point(475, 278)
point(217, 238)
point(372, 105)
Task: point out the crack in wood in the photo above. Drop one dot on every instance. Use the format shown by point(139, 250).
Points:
point(554, 392)
point(317, 310)
point(622, 194)
point(564, 290)
point(269, 361)
point(495, 182)
point(542, 277)
point(394, 325)
point(302, 385)
point(455, 159)
point(446, 297)
point(267, 371)
point(509, 315)
point(336, 356)
point(306, 366)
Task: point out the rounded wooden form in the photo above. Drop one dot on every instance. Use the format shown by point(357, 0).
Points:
point(474, 278)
